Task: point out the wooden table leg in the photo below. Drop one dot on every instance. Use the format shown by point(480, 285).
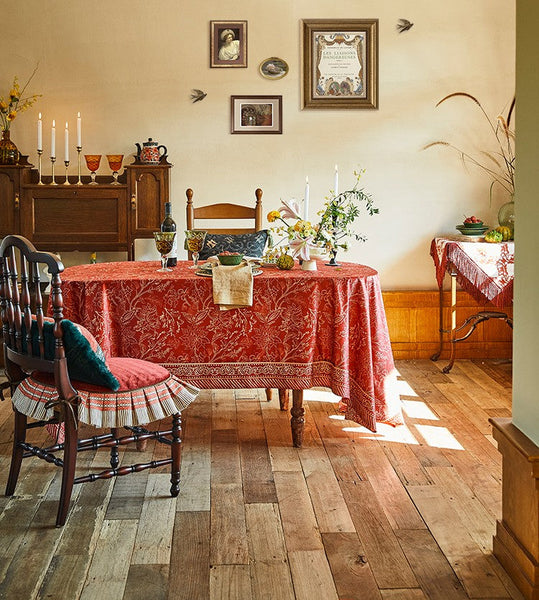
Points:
point(436, 355)
point(449, 366)
point(284, 398)
point(297, 421)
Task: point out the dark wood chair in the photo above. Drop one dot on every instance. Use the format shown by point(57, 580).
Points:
point(231, 212)
point(59, 378)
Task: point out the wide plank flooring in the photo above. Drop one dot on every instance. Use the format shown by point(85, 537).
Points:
point(406, 513)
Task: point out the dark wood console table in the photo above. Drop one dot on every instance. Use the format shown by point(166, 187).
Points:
point(88, 218)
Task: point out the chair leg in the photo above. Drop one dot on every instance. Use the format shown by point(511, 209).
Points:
point(284, 399)
point(175, 452)
point(19, 435)
point(68, 472)
point(114, 453)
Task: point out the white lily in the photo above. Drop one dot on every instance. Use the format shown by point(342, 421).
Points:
point(302, 247)
point(290, 209)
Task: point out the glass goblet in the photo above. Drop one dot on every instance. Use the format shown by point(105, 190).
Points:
point(164, 240)
point(194, 240)
point(92, 162)
point(115, 163)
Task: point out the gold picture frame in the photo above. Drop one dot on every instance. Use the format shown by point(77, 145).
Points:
point(340, 63)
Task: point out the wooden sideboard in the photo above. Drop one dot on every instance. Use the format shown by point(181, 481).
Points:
point(88, 218)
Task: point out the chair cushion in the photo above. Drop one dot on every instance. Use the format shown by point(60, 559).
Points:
point(250, 244)
point(85, 357)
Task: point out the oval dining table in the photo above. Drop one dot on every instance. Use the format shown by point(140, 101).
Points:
point(323, 328)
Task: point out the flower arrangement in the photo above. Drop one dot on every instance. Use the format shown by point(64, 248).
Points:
point(16, 103)
point(500, 165)
point(330, 233)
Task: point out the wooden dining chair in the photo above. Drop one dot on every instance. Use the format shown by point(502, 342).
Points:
point(59, 378)
point(212, 213)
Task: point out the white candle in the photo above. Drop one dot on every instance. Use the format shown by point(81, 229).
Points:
point(336, 184)
point(66, 143)
point(39, 133)
point(306, 201)
point(53, 140)
point(79, 131)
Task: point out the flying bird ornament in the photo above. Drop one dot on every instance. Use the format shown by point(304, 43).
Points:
point(404, 25)
point(197, 95)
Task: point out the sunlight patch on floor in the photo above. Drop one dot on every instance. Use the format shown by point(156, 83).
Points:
point(438, 437)
point(418, 410)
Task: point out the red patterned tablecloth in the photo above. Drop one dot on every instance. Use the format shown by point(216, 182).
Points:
point(485, 270)
point(305, 328)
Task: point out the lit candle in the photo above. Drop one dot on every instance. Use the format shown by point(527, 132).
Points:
point(79, 131)
point(306, 201)
point(53, 140)
point(336, 185)
point(66, 144)
point(39, 133)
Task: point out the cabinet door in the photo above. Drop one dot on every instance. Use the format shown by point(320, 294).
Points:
point(83, 218)
point(10, 184)
point(149, 186)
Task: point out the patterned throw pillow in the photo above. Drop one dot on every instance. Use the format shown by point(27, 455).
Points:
point(250, 244)
point(85, 357)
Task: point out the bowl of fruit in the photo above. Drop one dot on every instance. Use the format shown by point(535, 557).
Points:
point(472, 226)
point(230, 258)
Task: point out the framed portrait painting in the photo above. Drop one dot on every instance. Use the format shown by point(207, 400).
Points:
point(340, 63)
point(228, 44)
point(256, 114)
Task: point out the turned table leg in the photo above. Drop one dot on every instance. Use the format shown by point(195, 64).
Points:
point(297, 421)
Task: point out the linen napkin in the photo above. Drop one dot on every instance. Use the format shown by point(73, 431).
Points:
point(233, 285)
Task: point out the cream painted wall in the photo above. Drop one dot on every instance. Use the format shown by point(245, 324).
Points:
point(128, 66)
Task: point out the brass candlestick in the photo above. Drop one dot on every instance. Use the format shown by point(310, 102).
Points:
point(39, 153)
point(66, 163)
point(53, 160)
point(79, 150)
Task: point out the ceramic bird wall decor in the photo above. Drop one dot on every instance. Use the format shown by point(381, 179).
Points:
point(404, 25)
point(197, 95)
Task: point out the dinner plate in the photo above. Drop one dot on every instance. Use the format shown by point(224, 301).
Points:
point(206, 273)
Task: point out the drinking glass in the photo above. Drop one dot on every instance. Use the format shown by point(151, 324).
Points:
point(92, 162)
point(115, 163)
point(164, 240)
point(194, 240)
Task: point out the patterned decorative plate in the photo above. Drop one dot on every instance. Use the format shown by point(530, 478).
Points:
point(206, 273)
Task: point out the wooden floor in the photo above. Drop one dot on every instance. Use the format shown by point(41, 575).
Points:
point(406, 513)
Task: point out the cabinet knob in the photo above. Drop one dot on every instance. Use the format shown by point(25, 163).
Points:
point(133, 202)
point(17, 201)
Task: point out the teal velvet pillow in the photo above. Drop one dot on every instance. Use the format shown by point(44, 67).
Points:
point(85, 358)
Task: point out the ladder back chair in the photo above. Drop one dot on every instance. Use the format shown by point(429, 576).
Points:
point(231, 212)
point(59, 377)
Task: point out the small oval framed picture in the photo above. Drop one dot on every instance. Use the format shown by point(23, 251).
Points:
point(273, 68)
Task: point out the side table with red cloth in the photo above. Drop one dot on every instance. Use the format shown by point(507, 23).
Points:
point(306, 328)
point(484, 270)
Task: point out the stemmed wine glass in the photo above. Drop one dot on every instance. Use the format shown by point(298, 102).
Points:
point(164, 240)
point(92, 162)
point(194, 239)
point(115, 163)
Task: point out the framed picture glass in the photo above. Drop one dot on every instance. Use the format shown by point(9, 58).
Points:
point(256, 114)
point(228, 44)
point(340, 63)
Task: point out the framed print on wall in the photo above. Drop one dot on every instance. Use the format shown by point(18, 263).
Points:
point(340, 63)
point(228, 44)
point(256, 114)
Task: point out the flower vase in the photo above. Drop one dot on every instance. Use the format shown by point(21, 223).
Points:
point(309, 265)
point(506, 215)
point(9, 154)
point(333, 259)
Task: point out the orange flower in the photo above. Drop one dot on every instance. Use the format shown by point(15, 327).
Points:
point(273, 216)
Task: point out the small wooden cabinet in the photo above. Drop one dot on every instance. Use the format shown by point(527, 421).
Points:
point(103, 217)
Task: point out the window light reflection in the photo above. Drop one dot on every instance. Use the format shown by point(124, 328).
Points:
point(418, 410)
point(439, 437)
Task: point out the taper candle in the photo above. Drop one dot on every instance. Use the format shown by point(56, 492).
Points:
point(79, 130)
point(336, 184)
point(306, 201)
point(53, 140)
point(39, 133)
point(66, 143)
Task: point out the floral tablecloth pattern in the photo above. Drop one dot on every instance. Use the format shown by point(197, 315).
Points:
point(305, 328)
point(484, 270)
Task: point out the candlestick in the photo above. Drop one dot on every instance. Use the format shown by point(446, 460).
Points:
point(66, 163)
point(79, 130)
point(39, 134)
point(79, 150)
point(39, 153)
point(336, 184)
point(53, 140)
point(66, 143)
point(53, 160)
point(306, 201)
